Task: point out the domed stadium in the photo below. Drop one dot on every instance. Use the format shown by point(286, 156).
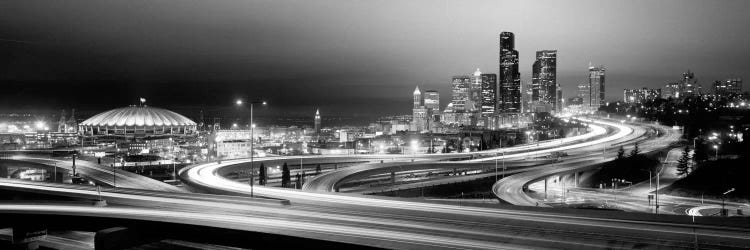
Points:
point(137, 122)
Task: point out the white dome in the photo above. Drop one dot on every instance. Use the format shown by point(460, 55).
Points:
point(138, 116)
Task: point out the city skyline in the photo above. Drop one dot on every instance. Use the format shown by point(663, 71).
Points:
point(270, 54)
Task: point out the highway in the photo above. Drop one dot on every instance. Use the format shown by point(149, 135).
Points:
point(100, 174)
point(511, 189)
point(399, 225)
point(389, 222)
point(208, 176)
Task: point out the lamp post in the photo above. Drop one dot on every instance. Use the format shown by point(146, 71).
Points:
point(495, 167)
point(716, 148)
point(252, 141)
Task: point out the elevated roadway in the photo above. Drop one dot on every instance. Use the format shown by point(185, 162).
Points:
point(512, 189)
point(398, 224)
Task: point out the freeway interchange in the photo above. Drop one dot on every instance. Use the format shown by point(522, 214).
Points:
point(318, 212)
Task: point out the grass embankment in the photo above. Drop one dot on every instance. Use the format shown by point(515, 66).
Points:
point(712, 178)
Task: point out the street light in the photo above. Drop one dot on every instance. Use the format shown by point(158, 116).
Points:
point(716, 148)
point(252, 141)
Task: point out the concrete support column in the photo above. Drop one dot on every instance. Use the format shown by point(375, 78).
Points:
point(545, 188)
point(393, 177)
point(575, 176)
point(3, 172)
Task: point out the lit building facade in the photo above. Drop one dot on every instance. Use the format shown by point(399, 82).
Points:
point(432, 100)
point(728, 87)
point(489, 94)
point(460, 92)
point(592, 92)
point(317, 121)
point(474, 103)
point(689, 85)
point(544, 80)
point(509, 78)
point(419, 112)
point(671, 90)
point(640, 95)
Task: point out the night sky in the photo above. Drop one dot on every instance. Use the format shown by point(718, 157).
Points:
point(345, 57)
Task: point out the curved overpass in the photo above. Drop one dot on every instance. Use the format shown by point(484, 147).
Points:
point(331, 181)
point(209, 176)
point(511, 189)
point(98, 173)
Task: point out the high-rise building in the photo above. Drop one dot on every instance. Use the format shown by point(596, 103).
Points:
point(584, 92)
point(727, 87)
point(460, 92)
point(688, 84)
point(595, 88)
point(509, 96)
point(544, 79)
point(640, 95)
point(317, 121)
point(671, 90)
point(474, 103)
point(432, 99)
point(419, 112)
point(489, 94)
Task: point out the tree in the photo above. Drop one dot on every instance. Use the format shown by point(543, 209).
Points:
point(262, 174)
point(683, 164)
point(635, 151)
point(285, 178)
point(621, 153)
point(299, 181)
point(317, 170)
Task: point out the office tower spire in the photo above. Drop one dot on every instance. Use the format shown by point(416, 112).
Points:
point(509, 97)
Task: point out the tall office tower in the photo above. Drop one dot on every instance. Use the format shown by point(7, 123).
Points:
point(432, 100)
point(509, 96)
point(489, 94)
point(417, 97)
point(544, 79)
point(584, 92)
point(596, 88)
point(317, 121)
point(688, 84)
point(419, 112)
point(475, 92)
point(460, 92)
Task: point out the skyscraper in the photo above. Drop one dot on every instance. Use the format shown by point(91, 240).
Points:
point(317, 121)
point(432, 99)
point(460, 92)
point(509, 96)
point(584, 92)
point(544, 79)
point(474, 103)
point(688, 85)
point(419, 112)
point(596, 88)
point(489, 94)
point(417, 97)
